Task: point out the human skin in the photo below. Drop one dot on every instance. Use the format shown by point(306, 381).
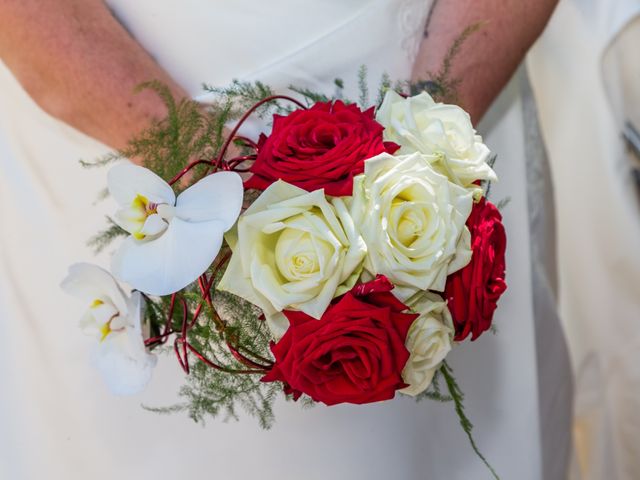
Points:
point(490, 56)
point(81, 66)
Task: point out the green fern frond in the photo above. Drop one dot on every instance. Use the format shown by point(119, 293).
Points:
point(458, 398)
point(433, 392)
point(363, 87)
point(103, 239)
point(385, 86)
point(441, 85)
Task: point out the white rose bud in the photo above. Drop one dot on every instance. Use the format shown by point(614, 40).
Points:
point(429, 341)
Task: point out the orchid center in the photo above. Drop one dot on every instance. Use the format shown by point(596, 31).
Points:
point(102, 318)
point(107, 329)
point(143, 218)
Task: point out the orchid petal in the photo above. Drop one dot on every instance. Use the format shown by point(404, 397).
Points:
point(216, 197)
point(124, 375)
point(126, 181)
point(89, 282)
point(129, 218)
point(104, 313)
point(153, 225)
point(88, 325)
point(171, 262)
point(123, 359)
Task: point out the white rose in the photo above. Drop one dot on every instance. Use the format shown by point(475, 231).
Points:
point(115, 321)
point(293, 250)
point(418, 124)
point(412, 220)
point(429, 341)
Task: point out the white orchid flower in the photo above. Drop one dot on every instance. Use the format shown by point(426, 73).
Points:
point(116, 322)
point(173, 240)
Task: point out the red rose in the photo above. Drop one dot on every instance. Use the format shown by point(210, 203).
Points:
point(354, 354)
point(473, 292)
point(322, 147)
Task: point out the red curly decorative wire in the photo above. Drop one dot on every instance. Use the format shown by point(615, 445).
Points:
point(255, 363)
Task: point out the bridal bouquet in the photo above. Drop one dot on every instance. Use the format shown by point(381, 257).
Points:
point(338, 258)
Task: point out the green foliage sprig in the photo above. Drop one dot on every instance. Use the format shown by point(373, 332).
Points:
point(103, 239)
point(434, 391)
point(458, 398)
point(211, 392)
point(442, 85)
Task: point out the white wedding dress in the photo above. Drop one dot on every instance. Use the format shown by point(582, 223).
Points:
point(586, 77)
point(58, 421)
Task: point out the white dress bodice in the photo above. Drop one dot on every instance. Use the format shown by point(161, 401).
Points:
point(245, 39)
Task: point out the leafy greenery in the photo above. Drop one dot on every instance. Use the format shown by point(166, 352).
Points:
point(211, 392)
point(458, 398)
point(241, 96)
point(103, 239)
point(486, 185)
point(434, 392)
point(188, 132)
point(363, 87)
point(502, 204)
point(385, 85)
point(102, 161)
point(309, 96)
point(442, 85)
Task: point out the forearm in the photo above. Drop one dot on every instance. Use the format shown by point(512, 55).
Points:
point(81, 66)
point(489, 58)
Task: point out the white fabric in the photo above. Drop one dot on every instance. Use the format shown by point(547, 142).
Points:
point(586, 77)
point(57, 420)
